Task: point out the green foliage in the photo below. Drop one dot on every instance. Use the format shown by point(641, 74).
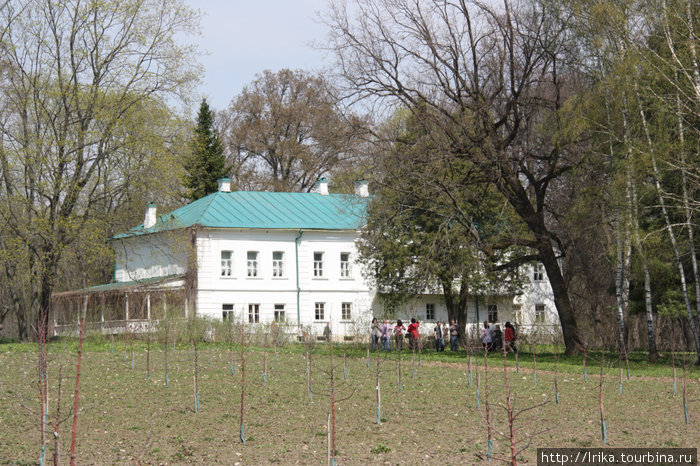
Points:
point(434, 226)
point(206, 162)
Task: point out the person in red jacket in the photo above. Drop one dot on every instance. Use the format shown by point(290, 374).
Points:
point(509, 338)
point(413, 335)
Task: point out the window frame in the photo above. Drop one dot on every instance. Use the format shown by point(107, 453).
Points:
point(538, 272)
point(253, 265)
point(540, 313)
point(226, 265)
point(319, 306)
point(345, 269)
point(253, 313)
point(278, 270)
point(492, 309)
point(318, 264)
point(430, 307)
point(346, 311)
point(227, 312)
point(280, 308)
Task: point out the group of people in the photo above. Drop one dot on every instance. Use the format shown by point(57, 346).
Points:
point(495, 340)
point(381, 333)
point(441, 330)
point(491, 336)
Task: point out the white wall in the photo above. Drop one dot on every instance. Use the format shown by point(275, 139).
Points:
point(148, 256)
point(268, 290)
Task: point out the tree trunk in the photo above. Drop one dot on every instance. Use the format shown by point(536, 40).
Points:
point(572, 339)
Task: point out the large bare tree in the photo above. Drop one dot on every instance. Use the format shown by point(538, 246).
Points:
point(80, 80)
point(489, 83)
point(284, 131)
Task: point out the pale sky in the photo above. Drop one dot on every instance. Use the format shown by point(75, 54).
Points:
point(245, 37)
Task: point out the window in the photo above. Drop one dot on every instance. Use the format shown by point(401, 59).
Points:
point(227, 312)
point(344, 265)
point(252, 263)
point(278, 264)
point(518, 313)
point(226, 263)
point(538, 272)
point(430, 311)
point(253, 313)
point(318, 264)
point(346, 311)
point(539, 313)
point(320, 311)
point(493, 313)
point(279, 313)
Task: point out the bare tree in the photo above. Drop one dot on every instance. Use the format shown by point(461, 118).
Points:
point(79, 79)
point(284, 131)
point(489, 85)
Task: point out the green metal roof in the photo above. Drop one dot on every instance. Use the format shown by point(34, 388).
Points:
point(265, 210)
point(116, 286)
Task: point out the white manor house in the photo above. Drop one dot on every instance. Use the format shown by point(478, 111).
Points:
point(268, 257)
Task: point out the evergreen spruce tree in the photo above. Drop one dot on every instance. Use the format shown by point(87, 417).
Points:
point(206, 163)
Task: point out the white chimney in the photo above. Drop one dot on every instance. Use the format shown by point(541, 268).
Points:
point(150, 217)
point(362, 188)
point(224, 185)
point(322, 187)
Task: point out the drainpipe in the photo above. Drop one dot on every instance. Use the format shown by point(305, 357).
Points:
point(296, 253)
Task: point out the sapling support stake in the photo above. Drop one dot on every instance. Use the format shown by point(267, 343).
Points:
point(74, 433)
point(43, 387)
point(111, 347)
point(165, 351)
point(193, 340)
point(332, 424)
point(345, 365)
point(534, 363)
point(487, 407)
point(379, 399)
point(196, 395)
point(328, 437)
point(420, 352)
point(230, 345)
point(148, 355)
point(517, 363)
point(478, 386)
point(556, 372)
point(398, 366)
point(308, 375)
point(619, 362)
point(673, 362)
point(585, 355)
point(413, 363)
point(265, 360)
point(469, 367)
point(685, 402)
point(509, 408)
point(600, 400)
point(56, 443)
point(242, 376)
point(131, 348)
point(368, 356)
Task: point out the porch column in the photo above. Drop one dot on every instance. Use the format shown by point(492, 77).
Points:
point(126, 305)
point(148, 306)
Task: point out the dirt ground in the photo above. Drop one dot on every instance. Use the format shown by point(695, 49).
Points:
point(126, 418)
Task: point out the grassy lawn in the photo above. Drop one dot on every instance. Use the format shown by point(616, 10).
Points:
point(126, 417)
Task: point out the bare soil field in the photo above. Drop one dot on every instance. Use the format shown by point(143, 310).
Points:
point(127, 418)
